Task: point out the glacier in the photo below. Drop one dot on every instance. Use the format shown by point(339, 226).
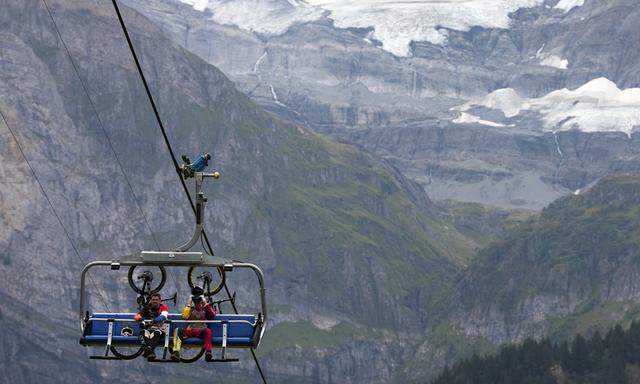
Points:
point(397, 23)
point(268, 17)
point(394, 23)
point(597, 106)
point(567, 5)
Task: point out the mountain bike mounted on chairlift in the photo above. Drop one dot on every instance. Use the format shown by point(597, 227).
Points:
point(117, 333)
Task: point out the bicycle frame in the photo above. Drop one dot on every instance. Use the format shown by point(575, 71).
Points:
point(173, 259)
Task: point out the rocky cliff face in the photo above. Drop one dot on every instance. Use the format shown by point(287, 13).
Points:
point(340, 82)
point(356, 255)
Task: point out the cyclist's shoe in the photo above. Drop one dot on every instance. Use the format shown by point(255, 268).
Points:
point(175, 356)
point(208, 356)
point(151, 356)
point(146, 352)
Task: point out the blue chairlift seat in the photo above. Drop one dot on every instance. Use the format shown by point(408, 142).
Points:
point(243, 331)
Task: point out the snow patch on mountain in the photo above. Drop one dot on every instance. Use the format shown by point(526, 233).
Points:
point(554, 61)
point(268, 17)
point(597, 106)
point(466, 118)
point(567, 5)
point(397, 23)
point(507, 100)
point(394, 23)
point(551, 60)
point(198, 5)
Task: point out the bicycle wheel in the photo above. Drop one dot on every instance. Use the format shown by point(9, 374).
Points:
point(148, 273)
point(127, 353)
point(199, 274)
point(191, 353)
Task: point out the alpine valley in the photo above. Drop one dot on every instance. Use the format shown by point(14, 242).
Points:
point(419, 180)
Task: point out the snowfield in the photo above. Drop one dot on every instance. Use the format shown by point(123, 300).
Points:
point(567, 5)
point(598, 106)
point(397, 23)
point(394, 23)
point(268, 17)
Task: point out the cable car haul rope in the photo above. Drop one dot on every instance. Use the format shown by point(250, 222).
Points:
point(184, 337)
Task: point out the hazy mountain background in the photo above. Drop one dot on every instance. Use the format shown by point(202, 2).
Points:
point(390, 189)
point(394, 97)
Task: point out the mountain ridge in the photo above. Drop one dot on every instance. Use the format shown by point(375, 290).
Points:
point(335, 82)
point(339, 233)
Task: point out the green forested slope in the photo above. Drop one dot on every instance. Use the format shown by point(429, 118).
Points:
point(612, 359)
point(570, 269)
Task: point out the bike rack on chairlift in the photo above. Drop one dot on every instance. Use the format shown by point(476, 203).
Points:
point(229, 331)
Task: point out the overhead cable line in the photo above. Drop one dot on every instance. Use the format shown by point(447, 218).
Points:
point(95, 111)
point(173, 157)
point(115, 154)
point(104, 131)
point(55, 213)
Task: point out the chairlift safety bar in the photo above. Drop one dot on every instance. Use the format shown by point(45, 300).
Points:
point(174, 321)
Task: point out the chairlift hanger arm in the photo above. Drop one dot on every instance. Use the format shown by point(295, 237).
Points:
point(195, 170)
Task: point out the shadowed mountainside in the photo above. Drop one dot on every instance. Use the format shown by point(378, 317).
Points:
point(346, 241)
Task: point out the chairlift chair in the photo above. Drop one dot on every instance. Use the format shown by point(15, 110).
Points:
point(118, 332)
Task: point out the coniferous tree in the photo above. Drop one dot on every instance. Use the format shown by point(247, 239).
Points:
point(612, 359)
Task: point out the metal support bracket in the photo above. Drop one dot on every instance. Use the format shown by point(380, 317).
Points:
point(223, 353)
point(166, 341)
point(224, 339)
point(109, 338)
point(201, 201)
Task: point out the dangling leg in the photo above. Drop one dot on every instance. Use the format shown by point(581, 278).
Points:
point(155, 338)
point(207, 336)
point(177, 344)
point(145, 336)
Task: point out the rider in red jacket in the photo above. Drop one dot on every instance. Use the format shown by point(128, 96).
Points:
point(196, 309)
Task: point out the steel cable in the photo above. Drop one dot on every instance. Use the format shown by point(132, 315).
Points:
point(170, 149)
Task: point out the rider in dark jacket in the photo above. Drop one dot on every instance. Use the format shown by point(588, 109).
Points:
point(154, 315)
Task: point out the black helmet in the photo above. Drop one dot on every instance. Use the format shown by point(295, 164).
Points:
point(197, 291)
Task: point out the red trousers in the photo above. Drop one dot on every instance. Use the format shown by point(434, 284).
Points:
point(204, 334)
